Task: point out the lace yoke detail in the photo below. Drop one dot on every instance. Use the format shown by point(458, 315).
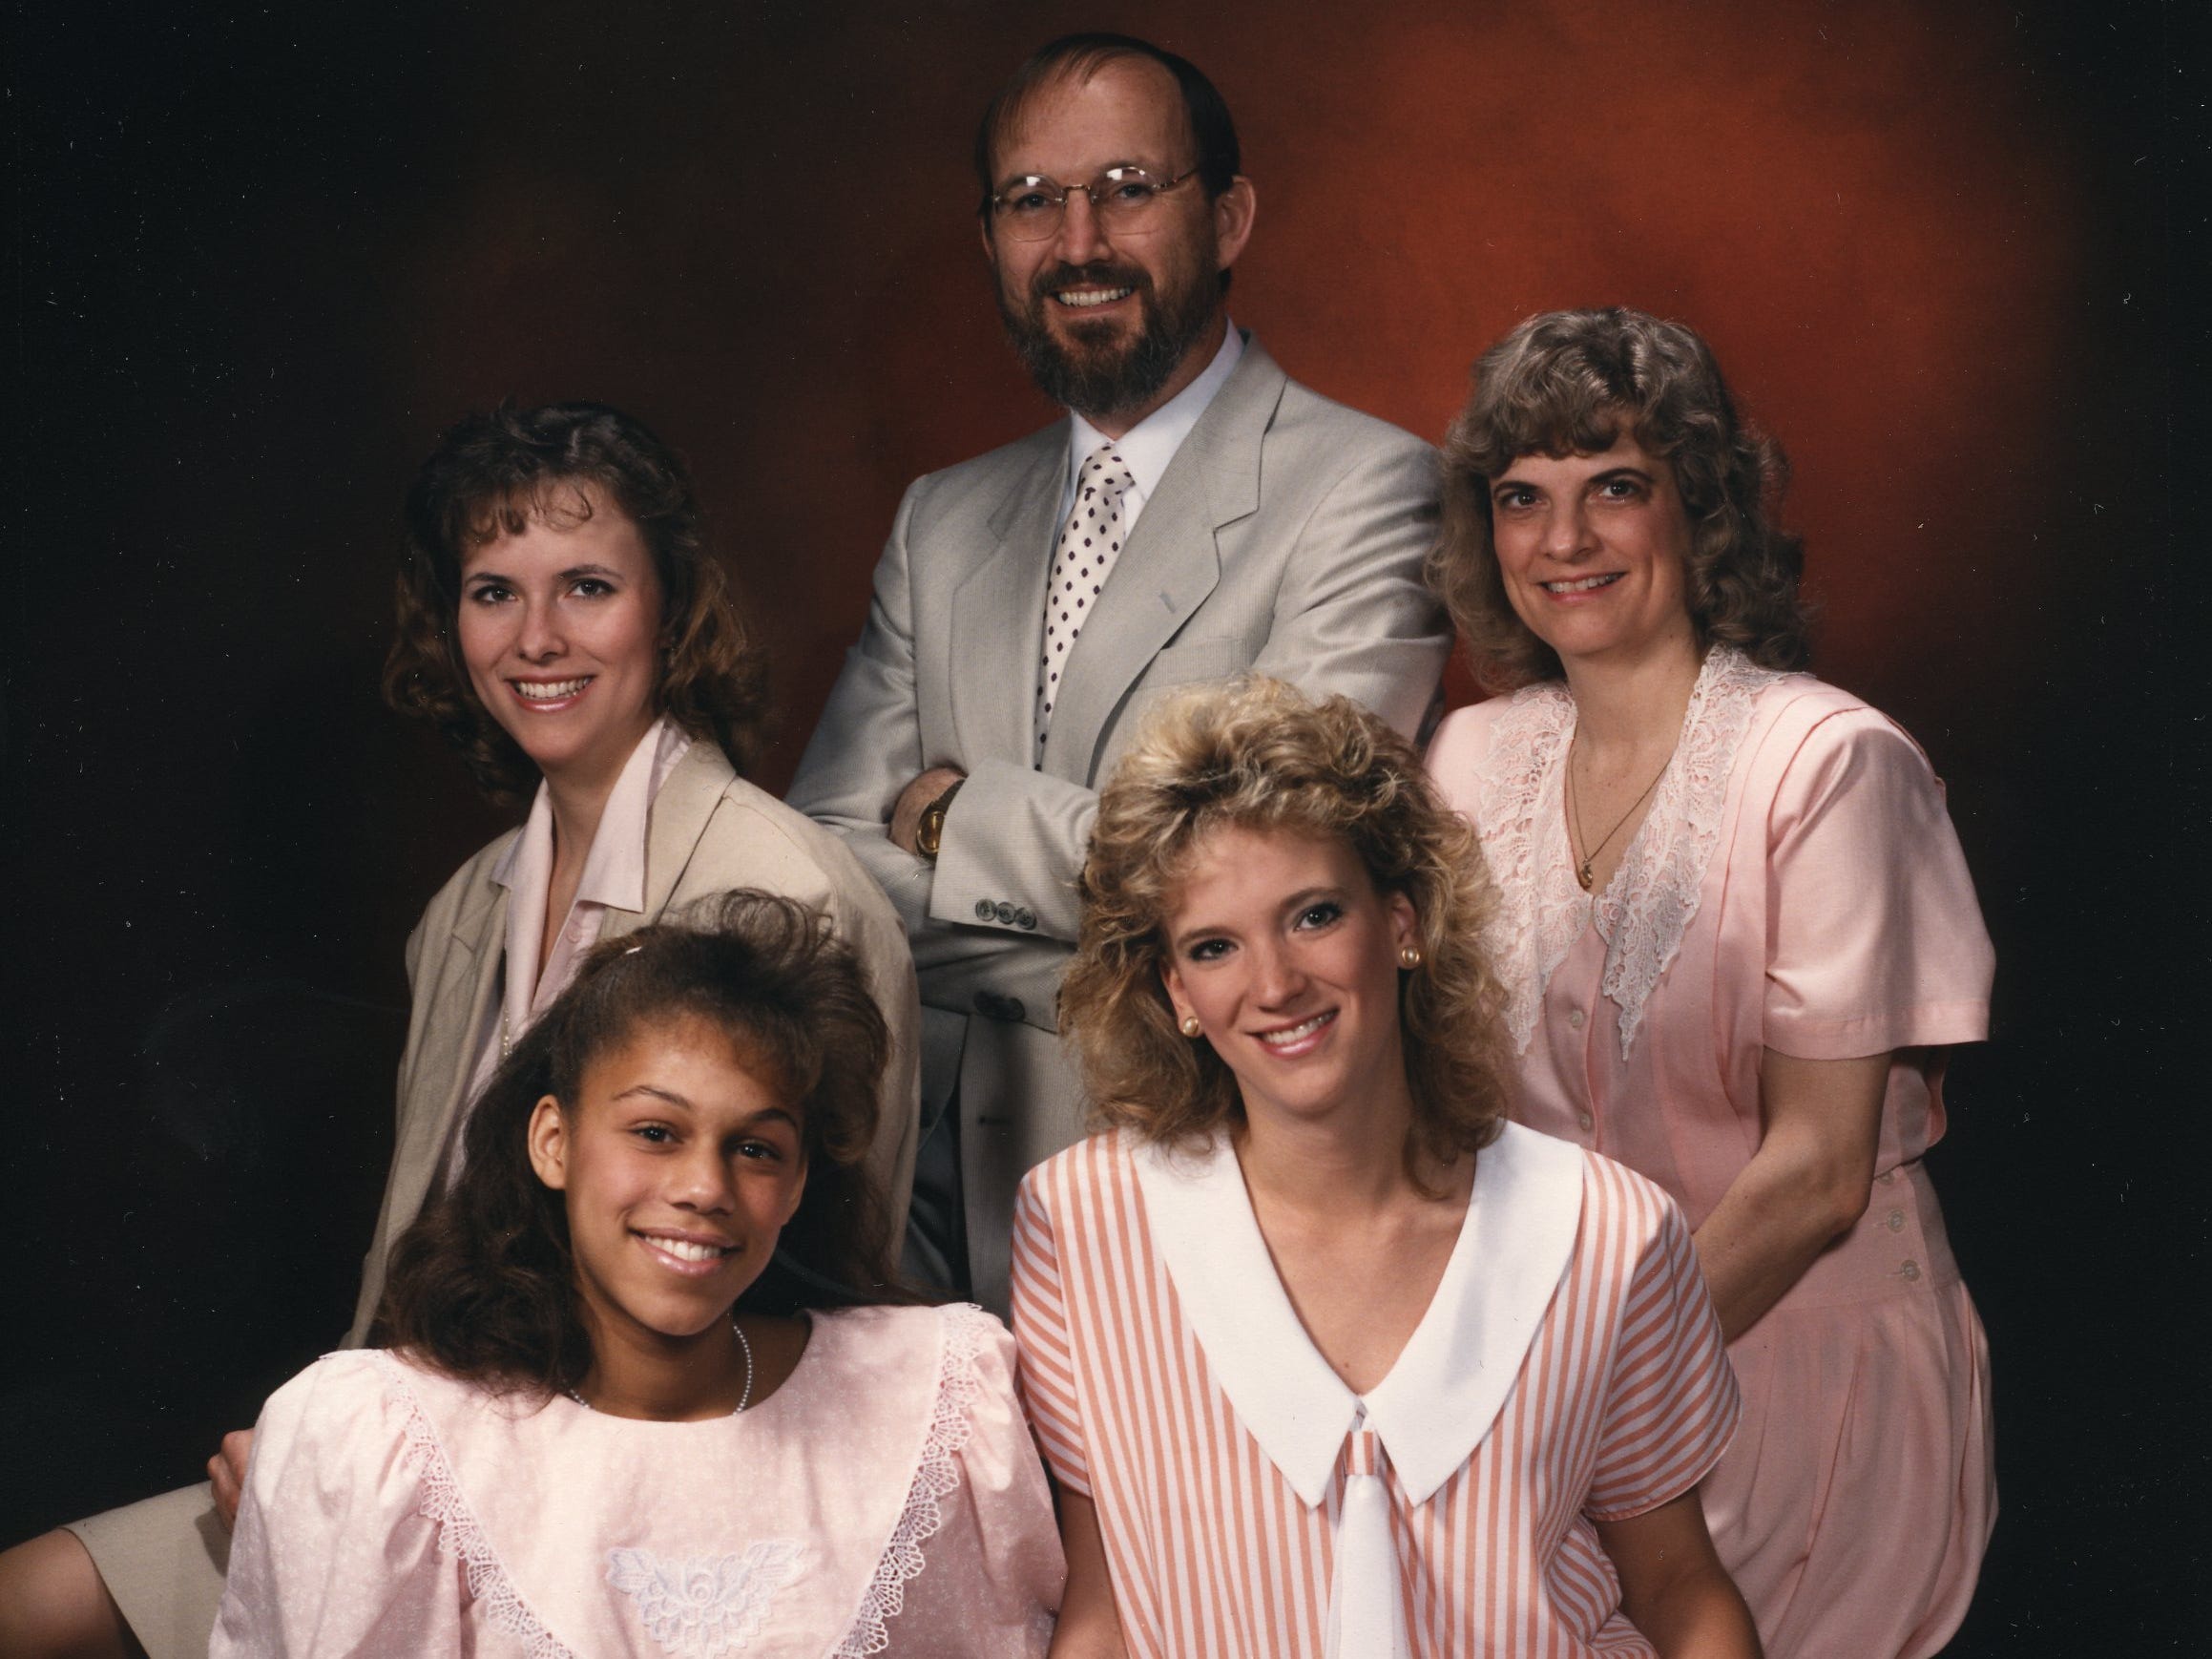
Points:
point(1539, 914)
point(951, 1423)
point(459, 1532)
point(1646, 910)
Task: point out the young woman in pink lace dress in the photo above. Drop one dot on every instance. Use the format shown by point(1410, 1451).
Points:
point(1739, 936)
point(630, 1404)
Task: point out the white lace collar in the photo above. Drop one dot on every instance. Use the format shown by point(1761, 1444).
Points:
point(1445, 1390)
point(1648, 906)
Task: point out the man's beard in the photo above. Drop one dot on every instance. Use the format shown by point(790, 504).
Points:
point(1095, 377)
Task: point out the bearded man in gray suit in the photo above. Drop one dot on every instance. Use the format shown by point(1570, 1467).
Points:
point(1196, 514)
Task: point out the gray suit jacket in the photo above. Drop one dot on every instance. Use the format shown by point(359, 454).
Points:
point(1285, 537)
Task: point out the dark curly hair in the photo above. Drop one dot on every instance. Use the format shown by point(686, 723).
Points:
point(1256, 753)
point(483, 1284)
point(1565, 382)
point(490, 476)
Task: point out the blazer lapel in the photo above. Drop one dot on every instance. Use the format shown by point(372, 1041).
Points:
point(686, 799)
point(1172, 562)
point(998, 612)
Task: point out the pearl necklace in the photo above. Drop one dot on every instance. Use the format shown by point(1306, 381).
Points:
point(744, 1395)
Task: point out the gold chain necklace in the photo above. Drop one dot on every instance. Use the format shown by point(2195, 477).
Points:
point(1582, 870)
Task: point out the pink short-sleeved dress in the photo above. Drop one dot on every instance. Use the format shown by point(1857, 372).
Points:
point(1568, 1371)
point(1797, 886)
point(888, 1496)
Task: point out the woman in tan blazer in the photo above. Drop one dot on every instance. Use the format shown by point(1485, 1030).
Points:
point(562, 625)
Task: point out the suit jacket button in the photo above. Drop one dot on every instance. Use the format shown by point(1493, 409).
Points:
point(1004, 912)
point(992, 1005)
point(983, 911)
point(1025, 918)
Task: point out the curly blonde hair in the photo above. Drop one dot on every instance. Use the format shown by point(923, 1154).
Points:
point(1258, 755)
point(1562, 383)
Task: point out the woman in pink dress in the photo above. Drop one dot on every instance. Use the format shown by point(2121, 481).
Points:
point(628, 1405)
point(1326, 1361)
point(1739, 936)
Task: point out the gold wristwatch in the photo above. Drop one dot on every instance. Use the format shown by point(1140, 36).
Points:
point(929, 833)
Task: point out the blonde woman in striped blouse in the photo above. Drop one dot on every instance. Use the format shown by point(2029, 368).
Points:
point(1325, 1357)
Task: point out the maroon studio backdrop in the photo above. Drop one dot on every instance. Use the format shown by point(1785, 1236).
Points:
point(267, 258)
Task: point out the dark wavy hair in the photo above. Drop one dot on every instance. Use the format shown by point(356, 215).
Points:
point(483, 1284)
point(490, 476)
point(1565, 382)
point(1256, 753)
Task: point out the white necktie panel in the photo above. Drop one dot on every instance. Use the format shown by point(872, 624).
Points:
point(1088, 545)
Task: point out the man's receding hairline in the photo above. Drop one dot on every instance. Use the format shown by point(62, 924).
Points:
point(1082, 68)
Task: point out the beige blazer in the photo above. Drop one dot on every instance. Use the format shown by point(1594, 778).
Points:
point(710, 831)
point(1286, 536)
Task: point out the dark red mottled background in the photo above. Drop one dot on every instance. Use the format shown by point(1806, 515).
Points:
point(263, 256)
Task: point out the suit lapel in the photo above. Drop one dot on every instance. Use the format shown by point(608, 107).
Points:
point(1172, 562)
point(999, 611)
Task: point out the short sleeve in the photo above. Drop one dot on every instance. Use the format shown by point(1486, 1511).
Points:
point(1874, 939)
point(1671, 1404)
point(330, 1555)
point(1046, 1373)
point(992, 1569)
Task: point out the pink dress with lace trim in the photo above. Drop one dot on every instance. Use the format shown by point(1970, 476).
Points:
point(887, 1494)
point(1797, 885)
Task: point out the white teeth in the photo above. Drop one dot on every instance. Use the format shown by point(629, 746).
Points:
point(685, 1250)
point(1092, 296)
point(1582, 586)
point(1303, 1028)
point(533, 692)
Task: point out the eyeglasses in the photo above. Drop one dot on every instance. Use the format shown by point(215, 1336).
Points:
point(1032, 207)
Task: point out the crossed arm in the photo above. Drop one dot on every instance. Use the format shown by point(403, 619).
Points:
point(1350, 614)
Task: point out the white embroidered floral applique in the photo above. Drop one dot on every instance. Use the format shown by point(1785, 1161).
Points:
point(710, 1606)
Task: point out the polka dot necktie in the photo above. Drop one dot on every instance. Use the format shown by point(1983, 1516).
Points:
point(1088, 543)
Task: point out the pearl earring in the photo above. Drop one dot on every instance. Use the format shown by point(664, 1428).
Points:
point(1408, 956)
point(1191, 1026)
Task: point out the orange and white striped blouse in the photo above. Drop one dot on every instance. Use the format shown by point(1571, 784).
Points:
point(1569, 1370)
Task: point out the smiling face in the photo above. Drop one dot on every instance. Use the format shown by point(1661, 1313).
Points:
point(1114, 325)
point(1287, 954)
point(559, 627)
point(1591, 548)
point(678, 1164)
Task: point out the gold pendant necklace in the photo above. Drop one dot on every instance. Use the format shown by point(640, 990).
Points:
point(1584, 874)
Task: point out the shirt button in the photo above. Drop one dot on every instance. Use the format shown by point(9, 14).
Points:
point(983, 910)
point(1575, 1020)
point(1585, 1120)
point(1887, 1177)
point(1894, 1221)
point(1910, 1272)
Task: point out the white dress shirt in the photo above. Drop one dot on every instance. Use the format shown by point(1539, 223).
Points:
point(1150, 445)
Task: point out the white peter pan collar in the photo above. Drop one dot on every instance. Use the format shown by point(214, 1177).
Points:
point(1446, 1389)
